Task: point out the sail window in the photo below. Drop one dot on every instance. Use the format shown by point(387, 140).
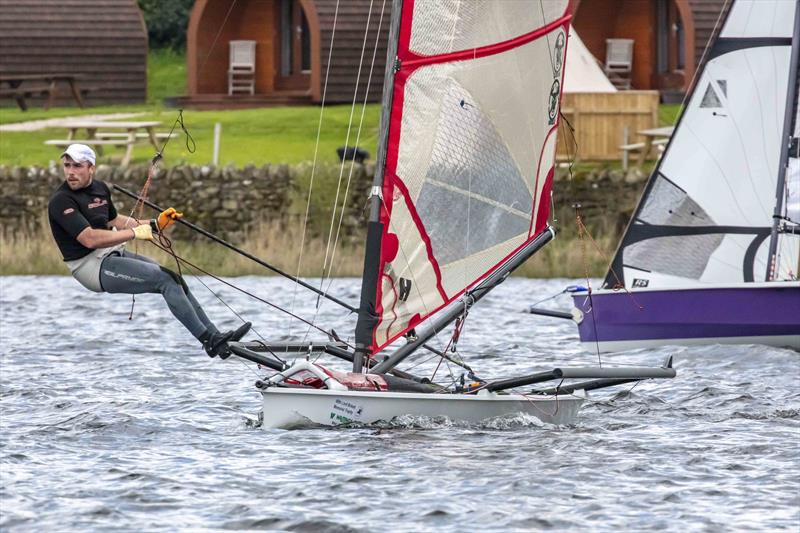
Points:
point(668, 205)
point(710, 98)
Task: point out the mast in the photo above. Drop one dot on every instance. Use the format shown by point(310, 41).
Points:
point(370, 277)
point(788, 128)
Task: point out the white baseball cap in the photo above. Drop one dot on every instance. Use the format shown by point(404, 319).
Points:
point(80, 153)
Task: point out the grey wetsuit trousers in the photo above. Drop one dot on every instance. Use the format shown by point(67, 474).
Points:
point(128, 273)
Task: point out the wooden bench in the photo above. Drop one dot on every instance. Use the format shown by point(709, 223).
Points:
point(21, 93)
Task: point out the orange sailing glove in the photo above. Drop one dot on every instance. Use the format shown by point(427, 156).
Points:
point(167, 218)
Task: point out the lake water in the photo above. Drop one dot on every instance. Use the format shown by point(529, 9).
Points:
point(126, 425)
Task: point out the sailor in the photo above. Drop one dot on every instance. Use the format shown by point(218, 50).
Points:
point(91, 236)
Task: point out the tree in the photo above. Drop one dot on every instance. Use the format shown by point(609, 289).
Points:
point(166, 21)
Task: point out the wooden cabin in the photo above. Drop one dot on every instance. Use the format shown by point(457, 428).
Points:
point(293, 45)
point(669, 37)
point(102, 41)
point(293, 52)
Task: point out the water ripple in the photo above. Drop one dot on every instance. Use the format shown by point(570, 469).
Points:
point(115, 424)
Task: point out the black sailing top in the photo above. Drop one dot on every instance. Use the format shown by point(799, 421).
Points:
point(70, 212)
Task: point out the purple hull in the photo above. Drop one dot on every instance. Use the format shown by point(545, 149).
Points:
point(764, 313)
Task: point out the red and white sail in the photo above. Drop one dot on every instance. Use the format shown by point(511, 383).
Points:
point(470, 151)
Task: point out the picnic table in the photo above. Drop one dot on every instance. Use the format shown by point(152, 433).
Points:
point(653, 137)
point(22, 86)
point(101, 133)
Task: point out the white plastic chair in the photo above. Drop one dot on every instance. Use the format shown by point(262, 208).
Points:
point(619, 62)
point(242, 67)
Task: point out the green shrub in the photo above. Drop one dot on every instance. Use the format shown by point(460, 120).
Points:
point(166, 21)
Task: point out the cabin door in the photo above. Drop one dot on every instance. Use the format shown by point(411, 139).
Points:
point(670, 47)
point(295, 47)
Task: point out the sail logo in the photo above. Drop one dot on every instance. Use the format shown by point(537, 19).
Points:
point(638, 282)
point(711, 97)
point(558, 53)
point(552, 109)
point(405, 289)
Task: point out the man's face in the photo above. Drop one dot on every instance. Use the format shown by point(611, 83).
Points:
point(78, 175)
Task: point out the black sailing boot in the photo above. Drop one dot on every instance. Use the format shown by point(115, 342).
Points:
point(216, 343)
point(236, 335)
point(241, 331)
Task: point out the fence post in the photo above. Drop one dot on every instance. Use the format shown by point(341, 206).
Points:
point(625, 150)
point(217, 134)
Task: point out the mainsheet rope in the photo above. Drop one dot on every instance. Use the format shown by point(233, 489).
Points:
point(316, 157)
point(326, 265)
point(138, 206)
point(358, 132)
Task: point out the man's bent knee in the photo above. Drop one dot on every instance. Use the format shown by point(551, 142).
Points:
point(178, 279)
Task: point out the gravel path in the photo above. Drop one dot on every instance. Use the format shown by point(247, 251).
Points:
point(35, 125)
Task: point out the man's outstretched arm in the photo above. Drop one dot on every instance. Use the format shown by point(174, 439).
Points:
point(103, 238)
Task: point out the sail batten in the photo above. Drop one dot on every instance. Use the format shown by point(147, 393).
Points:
point(470, 149)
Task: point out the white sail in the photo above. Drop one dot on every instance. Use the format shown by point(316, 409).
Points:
point(470, 149)
point(707, 211)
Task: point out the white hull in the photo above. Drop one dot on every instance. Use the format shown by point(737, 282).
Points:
point(288, 408)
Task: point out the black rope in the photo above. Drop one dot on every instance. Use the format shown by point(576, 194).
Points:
point(243, 291)
point(192, 148)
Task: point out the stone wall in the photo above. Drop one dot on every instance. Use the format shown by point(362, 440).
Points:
point(229, 201)
point(226, 201)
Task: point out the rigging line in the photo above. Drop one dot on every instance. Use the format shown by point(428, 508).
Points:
point(326, 266)
point(239, 251)
point(316, 152)
point(547, 38)
point(232, 310)
point(581, 228)
point(243, 291)
point(250, 368)
point(216, 37)
point(698, 68)
point(358, 134)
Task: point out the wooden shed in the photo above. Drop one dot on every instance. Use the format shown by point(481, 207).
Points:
point(293, 52)
point(104, 41)
point(669, 36)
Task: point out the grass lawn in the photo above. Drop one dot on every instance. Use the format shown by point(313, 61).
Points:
point(251, 136)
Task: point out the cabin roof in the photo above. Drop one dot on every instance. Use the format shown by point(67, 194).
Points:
point(103, 40)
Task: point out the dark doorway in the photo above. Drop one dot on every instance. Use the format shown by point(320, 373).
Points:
point(670, 47)
point(295, 48)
